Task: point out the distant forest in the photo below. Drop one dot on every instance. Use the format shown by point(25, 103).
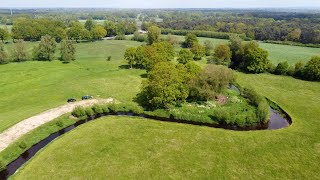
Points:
point(295, 25)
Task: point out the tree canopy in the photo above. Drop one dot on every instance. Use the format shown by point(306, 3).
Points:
point(46, 49)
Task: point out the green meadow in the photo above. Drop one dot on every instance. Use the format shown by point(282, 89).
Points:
point(123, 147)
point(277, 52)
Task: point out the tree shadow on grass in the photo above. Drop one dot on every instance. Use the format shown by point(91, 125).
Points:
point(124, 67)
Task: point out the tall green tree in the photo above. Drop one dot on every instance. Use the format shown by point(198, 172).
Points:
point(236, 47)
point(98, 32)
point(190, 40)
point(209, 47)
point(165, 86)
point(154, 34)
point(3, 55)
point(46, 49)
point(89, 24)
point(198, 50)
point(67, 51)
point(312, 69)
point(75, 32)
point(222, 55)
point(130, 56)
point(157, 52)
point(185, 56)
point(19, 52)
point(4, 34)
point(255, 59)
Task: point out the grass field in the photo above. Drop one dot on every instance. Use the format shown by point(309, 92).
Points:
point(277, 52)
point(32, 87)
point(136, 148)
point(123, 147)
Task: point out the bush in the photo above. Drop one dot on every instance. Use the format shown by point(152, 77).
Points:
point(59, 123)
point(97, 109)
point(89, 111)
point(120, 37)
point(22, 145)
point(199, 33)
point(298, 70)
point(139, 37)
point(312, 69)
point(282, 68)
point(263, 111)
point(259, 102)
point(78, 112)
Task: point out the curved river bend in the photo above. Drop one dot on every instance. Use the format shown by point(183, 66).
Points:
point(277, 121)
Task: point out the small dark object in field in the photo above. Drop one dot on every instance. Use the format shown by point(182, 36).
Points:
point(86, 97)
point(109, 58)
point(71, 100)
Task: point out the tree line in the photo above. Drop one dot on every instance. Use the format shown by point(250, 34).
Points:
point(44, 51)
point(30, 29)
point(304, 28)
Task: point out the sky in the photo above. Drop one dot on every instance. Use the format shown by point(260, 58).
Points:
point(160, 3)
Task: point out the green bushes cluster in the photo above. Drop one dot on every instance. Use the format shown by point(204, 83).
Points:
point(199, 33)
point(139, 37)
point(310, 71)
point(259, 102)
point(96, 109)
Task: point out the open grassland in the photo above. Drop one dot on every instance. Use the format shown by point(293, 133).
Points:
point(134, 148)
point(277, 52)
point(126, 147)
point(32, 87)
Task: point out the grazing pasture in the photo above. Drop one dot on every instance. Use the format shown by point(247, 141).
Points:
point(142, 148)
point(277, 52)
point(31, 87)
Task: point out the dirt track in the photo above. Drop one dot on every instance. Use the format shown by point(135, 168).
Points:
point(15, 132)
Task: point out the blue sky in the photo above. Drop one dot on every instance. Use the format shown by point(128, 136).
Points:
point(161, 3)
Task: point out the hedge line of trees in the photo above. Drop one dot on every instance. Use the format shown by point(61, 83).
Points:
point(44, 51)
point(201, 33)
point(249, 57)
point(33, 29)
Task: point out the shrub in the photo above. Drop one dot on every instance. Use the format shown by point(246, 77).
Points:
point(139, 37)
point(78, 112)
point(282, 68)
point(312, 69)
point(120, 37)
point(22, 145)
point(298, 69)
point(263, 111)
point(97, 109)
point(271, 68)
point(89, 111)
point(59, 123)
point(105, 108)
